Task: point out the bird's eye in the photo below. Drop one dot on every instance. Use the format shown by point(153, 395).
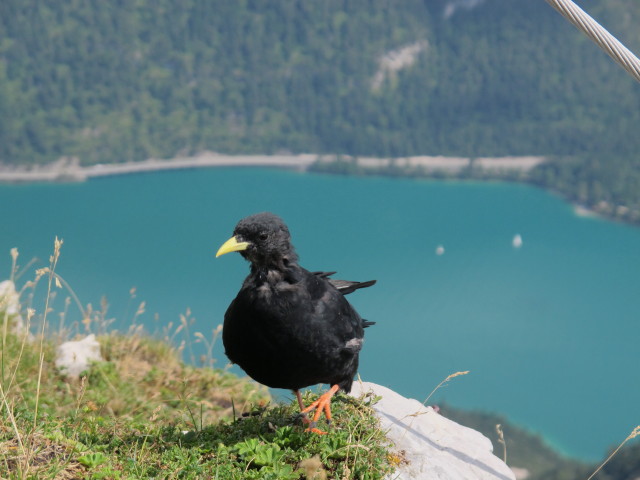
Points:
point(264, 236)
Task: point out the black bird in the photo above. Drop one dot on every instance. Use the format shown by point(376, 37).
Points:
point(288, 327)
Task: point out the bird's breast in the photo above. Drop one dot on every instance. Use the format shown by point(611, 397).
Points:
point(266, 285)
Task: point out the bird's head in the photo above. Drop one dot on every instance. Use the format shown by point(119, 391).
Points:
point(263, 239)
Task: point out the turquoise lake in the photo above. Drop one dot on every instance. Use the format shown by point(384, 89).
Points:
point(549, 331)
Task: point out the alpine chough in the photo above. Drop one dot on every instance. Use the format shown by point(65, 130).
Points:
point(288, 327)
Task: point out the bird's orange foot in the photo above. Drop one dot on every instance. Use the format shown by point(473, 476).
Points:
point(322, 404)
point(315, 430)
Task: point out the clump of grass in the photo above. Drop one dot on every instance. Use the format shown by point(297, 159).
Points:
point(128, 418)
point(144, 413)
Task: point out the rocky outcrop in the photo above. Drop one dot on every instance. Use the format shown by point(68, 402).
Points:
point(429, 445)
point(74, 357)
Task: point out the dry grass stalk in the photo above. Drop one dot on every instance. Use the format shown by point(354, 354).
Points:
point(208, 359)
point(53, 261)
point(30, 313)
point(634, 433)
point(443, 382)
point(502, 441)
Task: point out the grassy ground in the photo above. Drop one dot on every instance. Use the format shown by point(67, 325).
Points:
point(144, 413)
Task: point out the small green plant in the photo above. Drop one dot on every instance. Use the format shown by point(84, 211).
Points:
point(92, 460)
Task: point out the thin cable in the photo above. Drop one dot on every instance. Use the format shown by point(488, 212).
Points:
point(607, 42)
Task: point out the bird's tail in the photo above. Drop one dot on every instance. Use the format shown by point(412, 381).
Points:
point(346, 287)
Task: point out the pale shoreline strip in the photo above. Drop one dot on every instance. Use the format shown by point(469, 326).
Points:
point(69, 169)
point(65, 170)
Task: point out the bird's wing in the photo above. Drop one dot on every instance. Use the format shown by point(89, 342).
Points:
point(331, 313)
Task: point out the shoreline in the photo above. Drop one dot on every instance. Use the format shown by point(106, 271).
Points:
point(69, 169)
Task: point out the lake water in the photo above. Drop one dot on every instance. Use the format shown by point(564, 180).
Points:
point(549, 331)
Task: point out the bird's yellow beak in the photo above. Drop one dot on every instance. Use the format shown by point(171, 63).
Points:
point(232, 245)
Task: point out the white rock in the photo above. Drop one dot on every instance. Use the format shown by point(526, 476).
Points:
point(10, 304)
point(434, 446)
point(9, 298)
point(74, 357)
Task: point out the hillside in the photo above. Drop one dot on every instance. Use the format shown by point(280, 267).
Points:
point(530, 452)
point(113, 82)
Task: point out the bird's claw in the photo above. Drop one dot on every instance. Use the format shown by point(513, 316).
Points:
point(302, 417)
point(312, 428)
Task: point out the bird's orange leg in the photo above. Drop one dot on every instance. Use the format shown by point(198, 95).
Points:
point(305, 420)
point(322, 404)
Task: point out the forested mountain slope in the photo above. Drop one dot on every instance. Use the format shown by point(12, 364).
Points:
point(121, 81)
point(127, 81)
